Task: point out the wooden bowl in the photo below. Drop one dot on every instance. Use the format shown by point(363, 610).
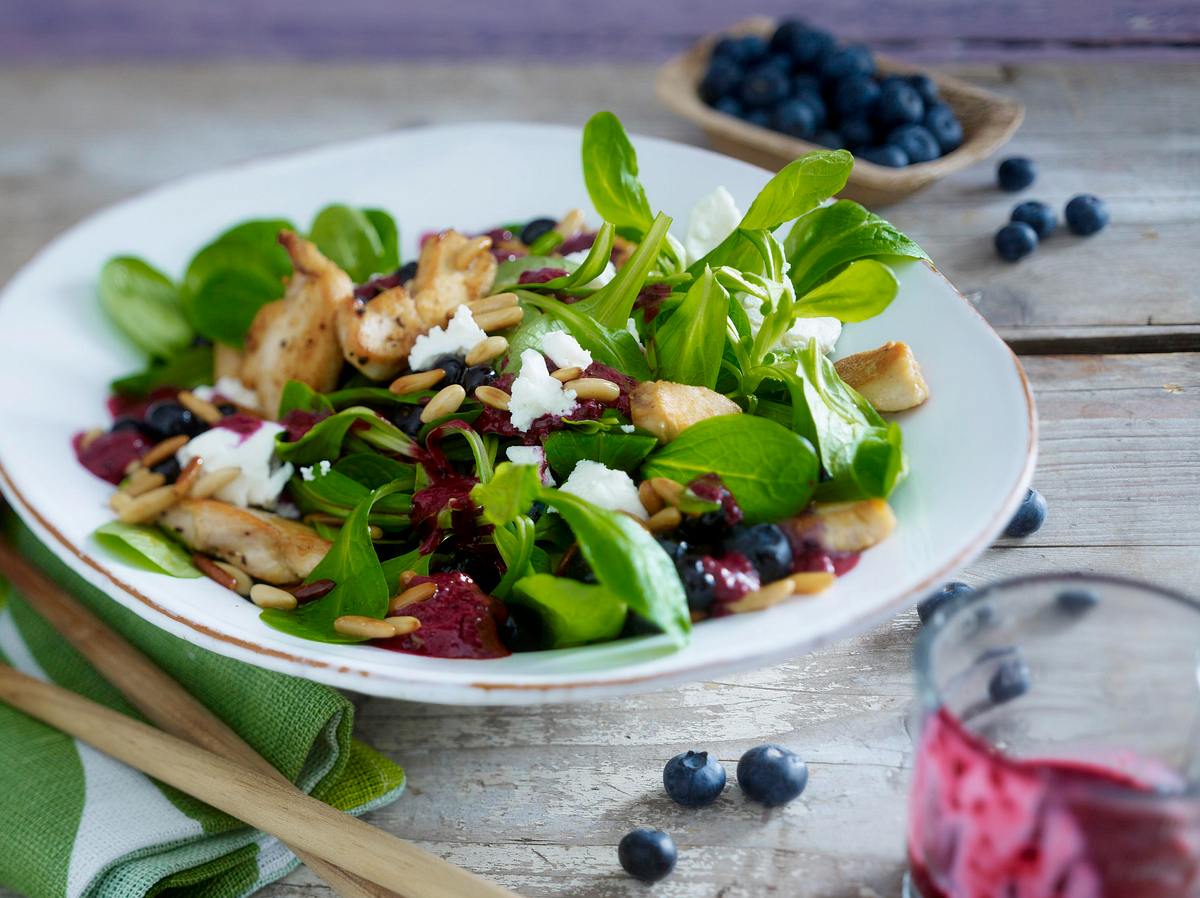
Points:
point(988, 121)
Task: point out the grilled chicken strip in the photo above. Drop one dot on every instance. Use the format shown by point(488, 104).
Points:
point(888, 377)
point(843, 526)
point(377, 334)
point(266, 546)
point(295, 338)
point(666, 409)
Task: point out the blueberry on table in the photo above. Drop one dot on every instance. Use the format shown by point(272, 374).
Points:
point(1029, 517)
point(1015, 173)
point(758, 117)
point(1015, 241)
point(721, 80)
point(815, 102)
point(1076, 601)
point(693, 779)
point(853, 60)
point(925, 86)
point(856, 133)
point(856, 96)
point(729, 106)
point(934, 602)
point(765, 546)
point(810, 48)
point(647, 854)
point(888, 154)
point(772, 775)
point(899, 104)
point(944, 125)
point(167, 418)
point(699, 585)
point(795, 118)
point(535, 229)
point(805, 84)
point(751, 48)
point(785, 34)
point(1037, 215)
point(764, 86)
point(1086, 214)
point(828, 138)
point(1010, 681)
point(916, 141)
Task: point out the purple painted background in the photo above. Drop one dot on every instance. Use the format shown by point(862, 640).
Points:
point(64, 31)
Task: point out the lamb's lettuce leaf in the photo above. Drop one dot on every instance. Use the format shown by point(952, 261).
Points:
point(612, 346)
point(145, 547)
point(689, 345)
point(859, 291)
point(610, 170)
point(612, 304)
point(145, 306)
point(189, 368)
point(572, 613)
point(613, 449)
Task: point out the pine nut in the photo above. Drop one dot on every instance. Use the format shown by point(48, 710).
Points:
point(214, 481)
point(118, 500)
point(411, 596)
point(364, 627)
point(264, 595)
point(142, 481)
point(375, 531)
point(446, 402)
point(407, 577)
point(486, 350)
point(664, 520)
point(571, 223)
point(493, 397)
point(668, 490)
point(322, 517)
point(417, 381)
point(209, 568)
point(493, 303)
point(565, 375)
point(501, 319)
point(90, 437)
point(811, 582)
point(404, 624)
point(595, 388)
point(148, 505)
point(306, 592)
point(242, 582)
point(771, 594)
point(201, 408)
point(473, 247)
point(188, 476)
point(651, 501)
point(164, 450)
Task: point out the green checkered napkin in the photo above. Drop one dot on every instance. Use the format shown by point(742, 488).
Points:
point(74, 822)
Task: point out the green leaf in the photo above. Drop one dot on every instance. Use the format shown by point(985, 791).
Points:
point(572, 613)
point(612, 304)
point(189, 368)
point(620, 451)
point(299, 396)
point(251, 244)
point(509, 494)
point(411, 561)
point(690, 344)
point(798, 187)
point(593, 266)
point(225, 305)
point(528, 335)
point(508, 273)
point(144, 305)
point(548, 242)
point(351, 563)
point(145, 547)
point(349, 239)
point(615, 347)
point(770, 470)
point(373, 470)
point(610, 170)
point(337, 494)
point(515, 543)
point(859, 291)
point(829, 237)
point(389, 238)
point(324, 440)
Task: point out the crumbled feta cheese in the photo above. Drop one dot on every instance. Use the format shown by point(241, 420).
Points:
point(604, 487)
point(599, 280)
point(531, 455)
point(232, 389)
point(713, 218)
point(825, 330)
point(308, 474)
point(260, 482)
point(536, 393)
point(458, 337)
point(627, 428)
point(565, 351)
point(631, 326)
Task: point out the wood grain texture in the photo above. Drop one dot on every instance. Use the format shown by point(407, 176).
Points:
point(540, 29)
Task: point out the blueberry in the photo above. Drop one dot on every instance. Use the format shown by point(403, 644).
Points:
point(521, 630)
point(1086, 214)
point(729, 106)
point(765, 86)
point(786, 33)
point(925, 87)
point(751, 48)
point(855, 96)
point(772, 775)
point(167, 418)
point(169, 468)
point(758, 117)
point(721, 80)
point(795, 118)
point(809, 49)
point(900, 104)
point(1011, 680)
point(780, 61)
point(1015, 173)
point(815, 102)
point(708, 527)
point(693, 779)
point(918, 144)
point(406, 272)
point(226, 409)
point(577, 568)
point(828, 138)
point(699, 585)
point(647, 854)
point(944, 125)
point(936, 601)
point(766, 546)
point(727, 48)
point(408, 419)
point(535, 229)
point(453, 367)
point(853, 60)
point(804, 85)
point(856, 133)
point(676, 549)
point(132, 424)
point(889, 154)
point(1015, 240)
point(1076, 601)
point(890, 82)
point(476, 376)
point(1038, 216)
point(1029, 517)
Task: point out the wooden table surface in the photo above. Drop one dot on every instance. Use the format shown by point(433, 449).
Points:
point(538, 798)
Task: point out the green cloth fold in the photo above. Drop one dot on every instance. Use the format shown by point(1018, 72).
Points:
point(77, 824)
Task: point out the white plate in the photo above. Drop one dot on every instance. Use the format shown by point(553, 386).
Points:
point(971, 446)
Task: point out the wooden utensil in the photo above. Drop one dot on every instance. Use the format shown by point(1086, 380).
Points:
point(174, 710)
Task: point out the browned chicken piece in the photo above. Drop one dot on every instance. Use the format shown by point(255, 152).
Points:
point(842, 526)
point(227, 362)
point(377, 336)
point(888, 377)
point(571, 224)
point(266, 546)
point(295, 338)
point(667, 409)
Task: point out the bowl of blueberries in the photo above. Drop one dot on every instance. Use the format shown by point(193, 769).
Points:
point(768, 91)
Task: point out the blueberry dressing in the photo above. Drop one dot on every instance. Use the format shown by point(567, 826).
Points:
point(298, 422)
point(108, 455)
point(458, 621)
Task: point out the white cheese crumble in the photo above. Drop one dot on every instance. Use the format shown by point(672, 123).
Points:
point(536, 393)
point(308, 474)
point(627, 428)
point(260, 482)
point(825, 330)
point(458, 337)
point(565, 351)
point(232, 389)
point(599, 280)
point(712, 219)
point(605, 488)
point(531, 455)
point(631, 326)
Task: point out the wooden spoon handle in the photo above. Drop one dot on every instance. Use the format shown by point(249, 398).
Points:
point(248, 794)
